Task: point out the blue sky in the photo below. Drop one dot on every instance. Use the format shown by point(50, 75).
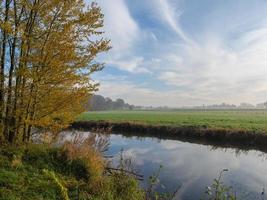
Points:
point(185, 52)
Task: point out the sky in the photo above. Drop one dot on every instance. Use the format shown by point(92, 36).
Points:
point(185, 52)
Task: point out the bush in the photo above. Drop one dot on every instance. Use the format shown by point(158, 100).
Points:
point(125, 187)
point(84, 160)
point(117, 186)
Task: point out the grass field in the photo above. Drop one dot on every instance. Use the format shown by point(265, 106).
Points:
point(252, 120)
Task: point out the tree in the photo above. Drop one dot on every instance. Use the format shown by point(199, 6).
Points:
point(109, 103)
point(47, 54)
point(119, 104)
point(98, 102)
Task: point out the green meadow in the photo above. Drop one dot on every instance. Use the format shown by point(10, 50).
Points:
point(251, 120)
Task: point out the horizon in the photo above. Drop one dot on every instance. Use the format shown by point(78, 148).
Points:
point(260, 105)
point(185, 53)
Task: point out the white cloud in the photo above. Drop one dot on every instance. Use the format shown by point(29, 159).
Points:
point(169, 14)
point(120, 27)
point(213, 73)
point(224, 73)
point(217, 66)
point(132, 64)
point(124, 33)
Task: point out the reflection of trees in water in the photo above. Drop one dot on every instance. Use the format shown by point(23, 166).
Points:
point(237, 149)
point(125, 162)
point(215, 144)
point(232, 150)
point(263, 156)
point(99, 142)
point(238, 152)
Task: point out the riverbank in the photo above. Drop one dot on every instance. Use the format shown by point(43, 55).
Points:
point(38, 171)
point(243, 139)
point(247, 120)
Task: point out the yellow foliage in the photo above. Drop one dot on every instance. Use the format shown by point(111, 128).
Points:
point(49, 78)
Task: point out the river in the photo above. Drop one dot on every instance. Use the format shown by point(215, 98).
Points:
point(192, 167)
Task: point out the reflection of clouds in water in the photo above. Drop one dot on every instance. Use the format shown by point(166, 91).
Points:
point(194, 163)
point(185, 187)
point(138, 155)
point(170, 144)
point(118, 140)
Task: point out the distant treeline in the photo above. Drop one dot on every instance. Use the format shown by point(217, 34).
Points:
point(232, 106)
point(98, 103)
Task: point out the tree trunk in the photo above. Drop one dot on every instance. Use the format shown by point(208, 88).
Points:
point(2, 70)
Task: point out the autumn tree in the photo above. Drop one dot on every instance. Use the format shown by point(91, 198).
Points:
point(48, 51)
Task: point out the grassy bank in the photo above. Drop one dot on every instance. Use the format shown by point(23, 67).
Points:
point(39, 172)
point(247, 120)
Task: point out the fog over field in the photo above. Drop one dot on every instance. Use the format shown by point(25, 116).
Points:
point(100, 103)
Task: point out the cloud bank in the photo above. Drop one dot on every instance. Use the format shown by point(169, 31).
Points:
point(183, 53)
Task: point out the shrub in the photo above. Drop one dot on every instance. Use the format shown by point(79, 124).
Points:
point(117, 186)
point(219, 191)
point(83, 159)
point(125, 187)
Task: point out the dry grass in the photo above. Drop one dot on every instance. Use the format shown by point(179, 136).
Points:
point(16, 162)
point(88, 150)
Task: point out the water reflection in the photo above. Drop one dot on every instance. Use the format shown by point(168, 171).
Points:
point(193, 166)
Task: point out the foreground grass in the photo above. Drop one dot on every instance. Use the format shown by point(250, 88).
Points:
point(39, 172)
point(250, 120)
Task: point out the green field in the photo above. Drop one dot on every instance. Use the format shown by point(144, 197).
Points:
point(252, 120)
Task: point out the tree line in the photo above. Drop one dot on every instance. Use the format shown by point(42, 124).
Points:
point(47, 54)
point(98, 103)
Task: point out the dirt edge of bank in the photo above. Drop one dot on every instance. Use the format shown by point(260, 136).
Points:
point(220, 137)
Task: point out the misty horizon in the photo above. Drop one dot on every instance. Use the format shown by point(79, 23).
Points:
point(97, 100)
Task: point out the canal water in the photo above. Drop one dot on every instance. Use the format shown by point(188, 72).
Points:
point(190, 167)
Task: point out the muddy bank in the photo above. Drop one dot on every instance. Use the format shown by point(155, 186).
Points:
point(219, 137)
